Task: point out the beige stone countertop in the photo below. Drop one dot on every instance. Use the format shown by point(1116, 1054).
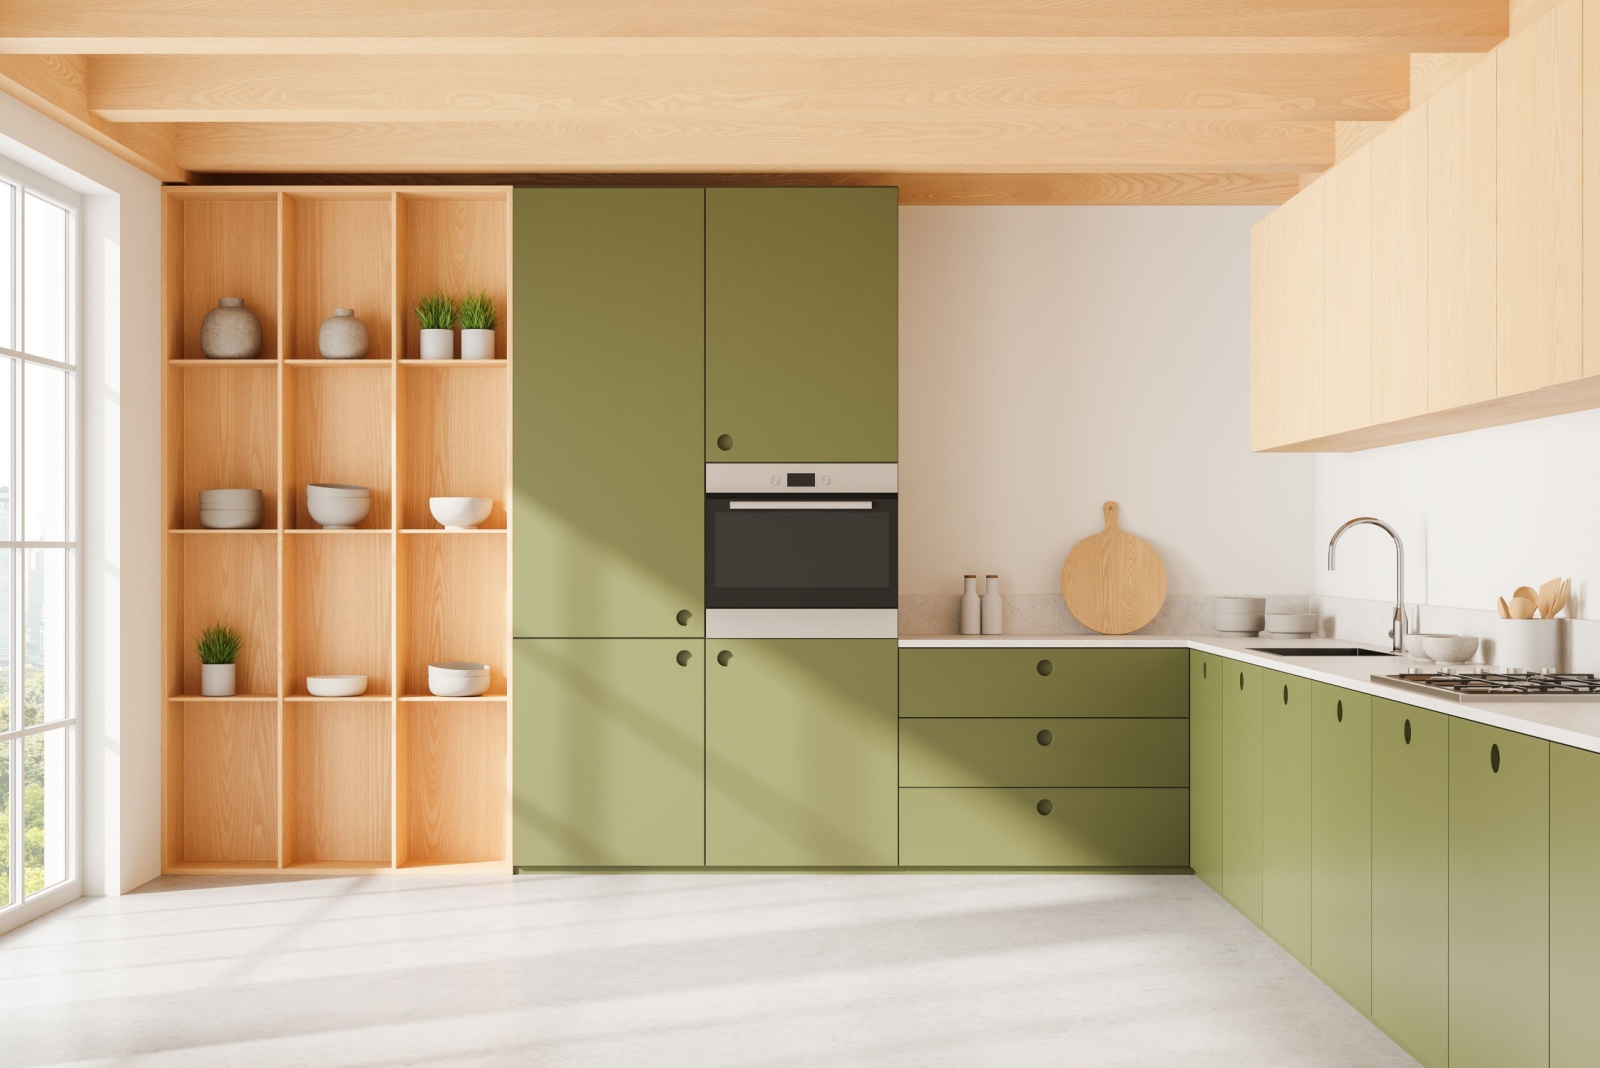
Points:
point(1574, 723)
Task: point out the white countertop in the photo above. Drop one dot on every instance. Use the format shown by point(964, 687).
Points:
point(1574, 723)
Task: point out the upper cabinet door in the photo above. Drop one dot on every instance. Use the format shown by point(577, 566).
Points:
point(1347, 300)
point(609, 410)
point(802, 325)
point(1400, 268)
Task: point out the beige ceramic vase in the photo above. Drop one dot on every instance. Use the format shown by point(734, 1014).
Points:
point(230, 331)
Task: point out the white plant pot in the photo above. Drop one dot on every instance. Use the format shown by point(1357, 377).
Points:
point(438, 344)
point(1527, 645)
point(217, 680)
point(477, 344)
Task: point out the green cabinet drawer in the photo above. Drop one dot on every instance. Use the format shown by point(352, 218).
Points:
point(608, 753)
point(1205, 767)
point(1044, 752)
point(1499, 898)
point(1341, 842)
point(1574, 918)
point(608, 412)
point(802, 325)
point(1241, 787)
point(800, 753)
point(1044, 682)
point(1044, 828)
point(1411, 878)
point(1286, 811)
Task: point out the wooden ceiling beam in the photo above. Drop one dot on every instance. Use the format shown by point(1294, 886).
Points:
point(738, 87)
point(58, 87)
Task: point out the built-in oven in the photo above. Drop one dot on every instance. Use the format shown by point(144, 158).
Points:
point(802, 551)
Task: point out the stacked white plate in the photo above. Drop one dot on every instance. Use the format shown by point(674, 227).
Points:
point(230, 509)
point(1291, 625)
point(458, 678)
point(338, 507)
point(1239, 615)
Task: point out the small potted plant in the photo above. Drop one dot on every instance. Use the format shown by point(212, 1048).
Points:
point(436, 314)
point(477, 326)
point(218, 646)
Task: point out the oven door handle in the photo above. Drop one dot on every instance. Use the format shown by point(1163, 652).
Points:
point(799, 505)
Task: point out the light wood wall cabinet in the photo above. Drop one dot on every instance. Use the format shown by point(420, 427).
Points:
point(1434, 281)
point(275, 778)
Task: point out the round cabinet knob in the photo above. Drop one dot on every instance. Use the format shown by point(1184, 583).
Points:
point(1408, 732)
point(684, 617)
point(1045, 667)
point(1338, 711)
point(725, 442)
point(684, 656)
point(1045, 737)
point(1044, 806)
point(1494, 759)
point(724, 658)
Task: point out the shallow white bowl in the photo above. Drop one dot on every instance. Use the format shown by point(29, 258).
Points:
point(460, 513)
point(1449, 648)
point(334, 489)
point(338, 513)
point(336, 685)
point(230, 518)
point(1292, 622)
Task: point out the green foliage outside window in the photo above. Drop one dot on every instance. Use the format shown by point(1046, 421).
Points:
point(33, 786)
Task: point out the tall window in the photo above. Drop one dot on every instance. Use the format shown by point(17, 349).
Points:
point(38, 532)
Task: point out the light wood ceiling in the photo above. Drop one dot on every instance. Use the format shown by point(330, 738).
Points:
point(956, 101)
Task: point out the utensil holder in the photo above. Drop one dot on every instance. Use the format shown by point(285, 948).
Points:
point(1527, 645)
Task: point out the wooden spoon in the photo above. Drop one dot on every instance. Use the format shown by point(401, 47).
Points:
point(1522, 608)
point(1527, 591)
point(1505, 609)
point(1560, 600)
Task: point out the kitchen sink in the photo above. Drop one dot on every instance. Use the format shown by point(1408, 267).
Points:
point(1324, 651)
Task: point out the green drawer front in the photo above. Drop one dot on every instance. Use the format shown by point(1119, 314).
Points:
point(1044, 682)
point(1004, 828)
point(1044, 752)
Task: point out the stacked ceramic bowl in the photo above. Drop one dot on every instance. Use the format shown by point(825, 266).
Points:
point(230, 509)
point(1239, 615)
point(458, 678)
point(338, 507)
point(1291, 625)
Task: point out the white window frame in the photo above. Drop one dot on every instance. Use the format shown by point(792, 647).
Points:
point(20, 907)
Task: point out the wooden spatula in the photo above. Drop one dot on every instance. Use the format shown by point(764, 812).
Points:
point(1505, 609)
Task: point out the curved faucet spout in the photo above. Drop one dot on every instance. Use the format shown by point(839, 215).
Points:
point(1397, 627)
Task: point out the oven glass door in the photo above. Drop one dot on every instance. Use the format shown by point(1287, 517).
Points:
point(810, 551)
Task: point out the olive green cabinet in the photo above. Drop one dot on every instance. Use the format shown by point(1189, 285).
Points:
point(1132, 828)
point(1341, 842)
point(1205, 767)
point(1241, 788)
point(801, 753)
point(802, 325)
point(608, 470)
point(1044, 752)
point(1499, 898)
point(608, 752)
point(1574, 907)
point(1286, 811)
point(1044, 682)
point(1411, 878)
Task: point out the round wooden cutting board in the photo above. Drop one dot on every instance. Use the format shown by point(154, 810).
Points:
point(1113, 582)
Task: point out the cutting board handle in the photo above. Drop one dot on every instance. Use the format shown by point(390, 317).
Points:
point(1110, 510)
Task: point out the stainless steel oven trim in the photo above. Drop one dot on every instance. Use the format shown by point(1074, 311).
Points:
point(798, 505)
point(830, 478)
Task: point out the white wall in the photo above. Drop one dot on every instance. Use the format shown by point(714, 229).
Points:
point(1052, 358)
point(1480, 513)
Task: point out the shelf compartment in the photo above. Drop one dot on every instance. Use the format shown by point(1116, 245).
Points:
point(339, 249)
point(338, 428)
point(220, 806)
point(452, 606)
point(219, 246)
point(223, 580)
point(336, 785)
point(451, 770)
point(337, 610)
point(454, 443)
point(222, 434)
point(455, 241)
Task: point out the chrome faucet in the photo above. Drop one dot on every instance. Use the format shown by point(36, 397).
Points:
point(1397, 627)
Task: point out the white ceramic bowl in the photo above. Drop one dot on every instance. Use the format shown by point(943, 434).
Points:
point(338, 513)
point(334, 489)
point(458, 678)
point(1253, 606)
point(1449, 648)
point(336, 685)
point(230, 518)
point(1292, 622)
point(460, 513)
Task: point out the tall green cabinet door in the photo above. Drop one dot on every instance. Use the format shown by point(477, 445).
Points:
point(1499, 898)
point(801, 738)
point(608, 412)
point(1341, 842)
point(1574, 918)
point(608, 753)
point(1411, 878)
point(1205, 767)
point(1286, 811)
point(1241, 787)
point(802, 325)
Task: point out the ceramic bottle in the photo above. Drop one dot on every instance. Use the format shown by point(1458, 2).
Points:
point(342, 337)
point(992, 605)
point(230, 331)
point(970, 606)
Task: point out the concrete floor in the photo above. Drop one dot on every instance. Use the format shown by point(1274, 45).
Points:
point(657, 970)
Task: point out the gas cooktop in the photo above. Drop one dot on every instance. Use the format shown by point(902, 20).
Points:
point(1499, 685)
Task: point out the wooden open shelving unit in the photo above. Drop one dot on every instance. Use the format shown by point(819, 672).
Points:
point(395, 780)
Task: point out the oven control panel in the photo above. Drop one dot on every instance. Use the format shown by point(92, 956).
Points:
point(807, 478)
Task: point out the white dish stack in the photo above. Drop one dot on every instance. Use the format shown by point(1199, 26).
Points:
point(1291, 625)
point(458, 678)
point(338, 507)
point(1239, 616)
point(230, 509)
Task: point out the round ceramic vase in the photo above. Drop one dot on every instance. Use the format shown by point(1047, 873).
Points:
point(343, 336)
point(230, 331)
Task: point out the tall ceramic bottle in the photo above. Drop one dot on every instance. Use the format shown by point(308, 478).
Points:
point(992, 606)
point(970, 606)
